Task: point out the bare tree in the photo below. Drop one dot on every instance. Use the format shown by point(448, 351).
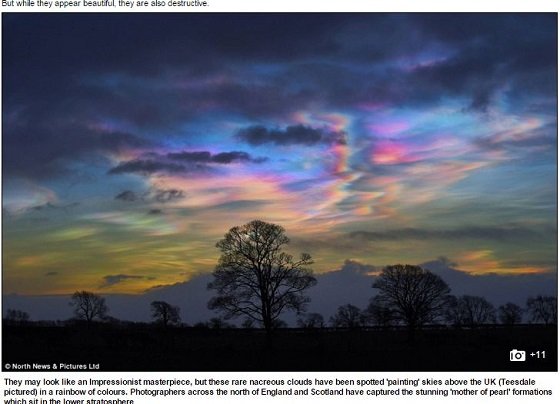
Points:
point(348, 316)
point(88, 306)
point(543, 309)
point(218, 323)
point(453, 312)
point(311, 320)
point(510, 314)
point(416, 296)
point(469, 311)
point(379, 313)
point(255, 278)
point(164, 313)
point(248, 323)
point(17, 317)
point(476, 310)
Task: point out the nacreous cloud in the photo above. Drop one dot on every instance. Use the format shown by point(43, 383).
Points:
point(492, 233)
point(181, 162)
point(292, 135)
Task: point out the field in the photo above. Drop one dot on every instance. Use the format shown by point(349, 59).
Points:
point(146, 348)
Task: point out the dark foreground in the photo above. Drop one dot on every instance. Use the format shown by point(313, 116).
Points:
point(191, 349)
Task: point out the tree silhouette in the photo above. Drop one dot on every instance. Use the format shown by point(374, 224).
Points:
point(311, 320)
point(453, 312)
point(255, 278)
point(164, 313)
point(475, 310)
point(415, 295)
point(88, 306)
point(348, 316)
point(543, 309)
point(17, 317)
point(379, 313)
point(510, 314)
point(217, 323)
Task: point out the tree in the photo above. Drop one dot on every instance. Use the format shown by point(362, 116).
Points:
point(347, 316)
point(255, 278)
point(164, 313)
point(379, 313)
point(453, 312)
point(476, 310)
point(88, 306)
point(311, 320)
point(543, 309)
point(17, 317)
point(510, 314)
point(217, 323)
point(415, 295)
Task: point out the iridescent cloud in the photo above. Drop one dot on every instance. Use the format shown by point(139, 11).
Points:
point(125, 177)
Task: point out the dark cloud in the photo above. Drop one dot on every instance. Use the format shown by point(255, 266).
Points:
point(111, 280)
point(167, 195)
point(41, 149)
point(146, 167)
point(207, 157)
point(182, 162)
point(127, 196)
point(358, 267)
point(53, 207)
point(493, 233)
point(248, 66)
point(230, 157)
point(498, 289)
point(154, 195)
point(292, 135)
point(191, 157)
point(488, 58)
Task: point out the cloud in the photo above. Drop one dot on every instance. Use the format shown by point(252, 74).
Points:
point(127, 196)
point(167, 195)
point(474, 232)
point(146, 167)
point(43, 149)
point(53, 207)
point(530, 136)
point(219, 158)
point(154, 195)
point(191, 157)
point(111, 280)
point(181, 162)
point(292, 135)
point(353, 266)
point(497, 288)
point(51, 121)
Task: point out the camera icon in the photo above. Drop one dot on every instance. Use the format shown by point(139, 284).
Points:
point(516, 356)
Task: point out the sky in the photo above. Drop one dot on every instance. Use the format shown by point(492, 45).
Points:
point(133, 142)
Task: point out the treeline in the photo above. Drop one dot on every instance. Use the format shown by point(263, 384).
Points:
point(463, 311)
